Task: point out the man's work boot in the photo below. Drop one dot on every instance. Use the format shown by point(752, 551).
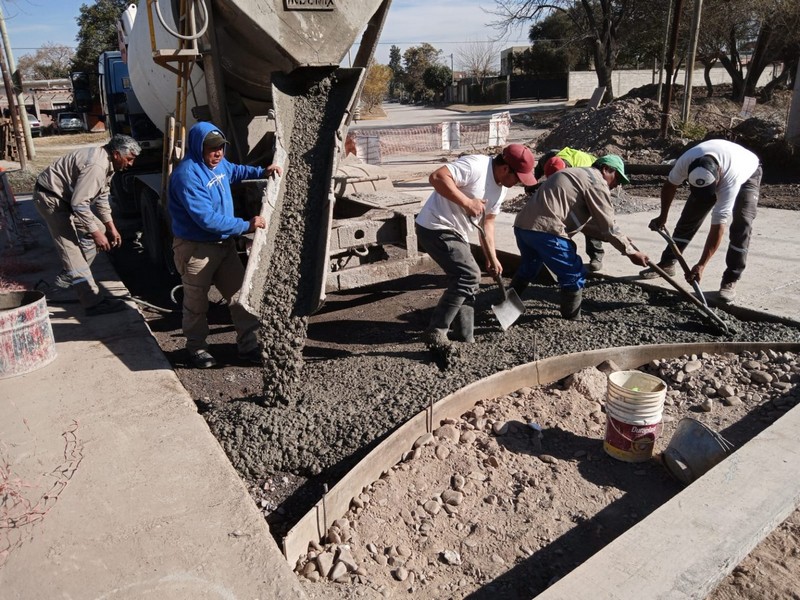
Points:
point(727, 291)
point(464, 325)
point(435, 335)
point(570, 301)
point(595, 252)
point(648, 273)
point(518, 284)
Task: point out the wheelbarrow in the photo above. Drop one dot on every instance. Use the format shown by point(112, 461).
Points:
point(511, 307)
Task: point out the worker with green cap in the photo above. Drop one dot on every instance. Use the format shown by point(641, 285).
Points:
point(569, 201)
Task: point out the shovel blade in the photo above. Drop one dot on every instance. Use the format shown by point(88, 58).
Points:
point(509, 310)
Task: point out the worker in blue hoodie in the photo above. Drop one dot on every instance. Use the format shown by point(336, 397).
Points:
point(205, 228)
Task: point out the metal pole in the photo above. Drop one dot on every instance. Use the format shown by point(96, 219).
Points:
point(26, 127)
point(687, 92)
point(664, 52)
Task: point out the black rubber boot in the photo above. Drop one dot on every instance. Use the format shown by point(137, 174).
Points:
point(464, 324)
point(518, 284)
point(443, 315)
point(571, 304)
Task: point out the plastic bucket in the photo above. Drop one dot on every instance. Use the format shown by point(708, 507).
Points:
point(26, 336)
point(693, 450)
point(634, 405)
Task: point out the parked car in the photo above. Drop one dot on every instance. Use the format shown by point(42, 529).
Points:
point(36, 125)
point(69, 122)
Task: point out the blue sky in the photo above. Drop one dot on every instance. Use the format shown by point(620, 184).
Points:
point(446, 24)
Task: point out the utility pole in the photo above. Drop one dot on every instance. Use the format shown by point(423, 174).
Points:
point(12, 105)
point(793, 125)
point(695, 32)
point(673, 41)
point(23, 114)
point(664, 52)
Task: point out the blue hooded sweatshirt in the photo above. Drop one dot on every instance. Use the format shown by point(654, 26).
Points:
point(200, 201)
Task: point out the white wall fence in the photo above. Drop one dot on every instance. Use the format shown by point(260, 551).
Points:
point(582, 83)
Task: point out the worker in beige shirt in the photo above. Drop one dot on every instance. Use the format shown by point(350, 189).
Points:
point(71, 195)
point(569, 201)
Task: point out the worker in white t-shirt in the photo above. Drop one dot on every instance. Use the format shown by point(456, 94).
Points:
point(466, 189)
point(724, 179)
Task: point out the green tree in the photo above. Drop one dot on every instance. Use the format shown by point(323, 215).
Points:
point(600, 23)
point(417, 59)
point(51, 61)
point(396, 65)
point(557, 46)
point(376, 85)
point(97, 32)
point(436, 79)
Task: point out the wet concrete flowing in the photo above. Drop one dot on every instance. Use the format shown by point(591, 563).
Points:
point(291, 277)
point(374, 373)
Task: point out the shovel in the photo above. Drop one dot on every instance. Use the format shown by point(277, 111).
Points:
point(511, 308)
point(703, 308)
point(684, 265)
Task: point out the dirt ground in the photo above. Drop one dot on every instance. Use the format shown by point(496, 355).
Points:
point(366, 373)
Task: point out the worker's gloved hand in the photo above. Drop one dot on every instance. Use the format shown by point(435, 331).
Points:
point(257, 222)
point(696, 274)
point(639, 258)
point(658, 223)
point(101, 241)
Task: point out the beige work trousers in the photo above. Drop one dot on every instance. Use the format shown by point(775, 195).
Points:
point(69, 242)
point(201, 265)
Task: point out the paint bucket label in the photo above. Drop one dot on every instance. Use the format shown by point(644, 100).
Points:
point(630, 442)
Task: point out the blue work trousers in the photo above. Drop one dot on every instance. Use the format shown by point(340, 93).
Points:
point(558, 254)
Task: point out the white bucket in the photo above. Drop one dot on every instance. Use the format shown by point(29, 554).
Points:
point(634, 405)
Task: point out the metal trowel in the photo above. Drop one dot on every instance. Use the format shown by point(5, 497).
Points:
point(511, 307)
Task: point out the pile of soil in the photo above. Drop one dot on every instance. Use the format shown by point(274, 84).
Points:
point(628, 128)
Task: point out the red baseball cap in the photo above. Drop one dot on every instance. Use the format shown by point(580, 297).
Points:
point(553, 165)
point(521, 161)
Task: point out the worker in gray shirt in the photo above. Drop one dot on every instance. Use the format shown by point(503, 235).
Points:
point(569, 201)
point(71, 195)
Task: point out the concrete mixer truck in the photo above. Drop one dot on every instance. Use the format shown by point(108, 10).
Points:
point(268, 73)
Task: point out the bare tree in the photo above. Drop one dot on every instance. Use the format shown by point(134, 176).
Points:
point(478, 59)
point(51, 61)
